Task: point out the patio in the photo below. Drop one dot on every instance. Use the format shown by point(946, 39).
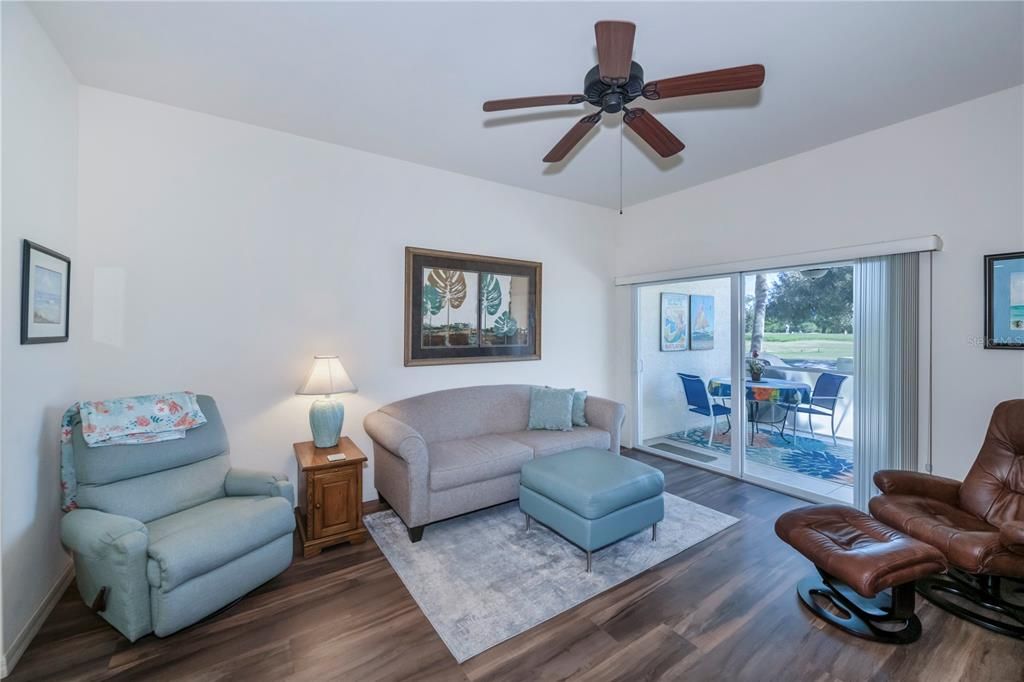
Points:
point(808, 463)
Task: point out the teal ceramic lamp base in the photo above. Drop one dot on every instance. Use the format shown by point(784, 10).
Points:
point(325, 418)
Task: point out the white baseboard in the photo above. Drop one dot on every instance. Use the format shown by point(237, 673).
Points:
point(28, 633)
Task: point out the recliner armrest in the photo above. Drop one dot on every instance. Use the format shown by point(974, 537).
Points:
point(242, 482)
point(1011, 535)
point(98, 534)
point(396, 436)
point(897, 482)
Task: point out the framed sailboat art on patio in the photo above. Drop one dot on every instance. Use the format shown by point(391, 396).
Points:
point(462, 308)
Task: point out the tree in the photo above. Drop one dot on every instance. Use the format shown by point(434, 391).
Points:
point(826, 301)
point(760, 306)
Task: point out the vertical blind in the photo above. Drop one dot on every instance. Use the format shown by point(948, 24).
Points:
point(886, 317)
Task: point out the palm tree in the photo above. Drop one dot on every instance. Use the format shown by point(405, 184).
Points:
point(760, 305)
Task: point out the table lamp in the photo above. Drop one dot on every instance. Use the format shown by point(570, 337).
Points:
point(327, 377)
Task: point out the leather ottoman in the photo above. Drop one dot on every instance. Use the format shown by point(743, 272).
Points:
point(858, 558)
point(591, 497)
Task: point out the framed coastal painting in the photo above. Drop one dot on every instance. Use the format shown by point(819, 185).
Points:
point(702, 322)
point(45, 294)
point(1004, 300)
point(675, 321)
point(462, 308)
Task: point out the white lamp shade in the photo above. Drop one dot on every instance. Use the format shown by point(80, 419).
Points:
point(327, 376)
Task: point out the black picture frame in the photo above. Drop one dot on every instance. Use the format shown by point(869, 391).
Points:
point(992, 340)
point(417, 260)
point(27, 338)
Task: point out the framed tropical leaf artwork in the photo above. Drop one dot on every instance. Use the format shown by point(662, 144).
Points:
point(675, 321)
point(463, 308)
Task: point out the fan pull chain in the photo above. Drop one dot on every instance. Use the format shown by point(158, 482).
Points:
point(622, 123)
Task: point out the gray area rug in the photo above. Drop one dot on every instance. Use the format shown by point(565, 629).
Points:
point(481, 578)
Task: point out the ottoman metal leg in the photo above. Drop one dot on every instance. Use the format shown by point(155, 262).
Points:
point(528, 520)
point(590, 556)
point(654, 532)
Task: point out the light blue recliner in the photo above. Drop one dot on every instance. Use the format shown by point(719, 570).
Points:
point(171, 530)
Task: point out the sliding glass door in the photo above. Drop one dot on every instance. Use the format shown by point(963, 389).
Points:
point(751, 374)
point(685, 366)
point(798, 351)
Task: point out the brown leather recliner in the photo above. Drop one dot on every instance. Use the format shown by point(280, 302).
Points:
point(978, 524)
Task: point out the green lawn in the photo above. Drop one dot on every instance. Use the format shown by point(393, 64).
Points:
point(808, 346)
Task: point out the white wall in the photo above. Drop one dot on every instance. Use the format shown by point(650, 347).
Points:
point(665, 409)
point(956, 173)
point(222, 256)
point(40, 101)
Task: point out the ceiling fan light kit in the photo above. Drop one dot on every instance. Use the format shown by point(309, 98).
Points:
point(617, 80)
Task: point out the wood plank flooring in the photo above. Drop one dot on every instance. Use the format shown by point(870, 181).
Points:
point(725, 609)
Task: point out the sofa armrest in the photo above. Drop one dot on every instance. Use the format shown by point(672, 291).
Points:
point(242, 482)
point(97, 534)
point(608, 415)
point(396, 437)
point(897, 482)
point(1011, 535)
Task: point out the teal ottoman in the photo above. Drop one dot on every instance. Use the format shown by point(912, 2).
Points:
point(591, 497)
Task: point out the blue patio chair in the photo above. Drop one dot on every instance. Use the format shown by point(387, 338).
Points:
point(700, 403)
point(823, 401)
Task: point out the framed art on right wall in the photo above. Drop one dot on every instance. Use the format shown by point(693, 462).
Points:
point(1004, 300)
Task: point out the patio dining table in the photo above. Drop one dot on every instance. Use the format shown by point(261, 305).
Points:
point(787, 394)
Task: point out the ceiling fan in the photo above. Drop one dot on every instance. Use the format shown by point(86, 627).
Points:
point(617, 80)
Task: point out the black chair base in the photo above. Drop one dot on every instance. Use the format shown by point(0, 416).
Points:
point(987, 606)
point(884, 618)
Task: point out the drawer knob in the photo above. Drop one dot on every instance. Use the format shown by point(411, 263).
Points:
point(317, 505)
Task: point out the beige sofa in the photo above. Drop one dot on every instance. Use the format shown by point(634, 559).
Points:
point(450, 452)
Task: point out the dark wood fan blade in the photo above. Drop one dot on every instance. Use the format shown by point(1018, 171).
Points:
point(614, 50)
point(524, 102)
point(653, 132)
point(722, 80)
point(572, 138)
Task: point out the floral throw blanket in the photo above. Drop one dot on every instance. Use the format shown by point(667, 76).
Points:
point(124, 421)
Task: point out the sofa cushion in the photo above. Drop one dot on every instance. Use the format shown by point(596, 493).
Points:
point(549, 442)
point(592, 483)
point(195, 541)
point(469, 460)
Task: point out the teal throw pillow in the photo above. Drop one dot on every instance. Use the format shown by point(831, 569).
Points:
point(579, 403)
point(551, 409)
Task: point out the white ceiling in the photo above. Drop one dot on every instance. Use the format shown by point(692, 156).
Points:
point(407, 80)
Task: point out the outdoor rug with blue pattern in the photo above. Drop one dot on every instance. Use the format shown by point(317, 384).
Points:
point(805, 455)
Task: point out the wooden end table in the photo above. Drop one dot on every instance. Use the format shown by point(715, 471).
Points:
point(330, 497)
